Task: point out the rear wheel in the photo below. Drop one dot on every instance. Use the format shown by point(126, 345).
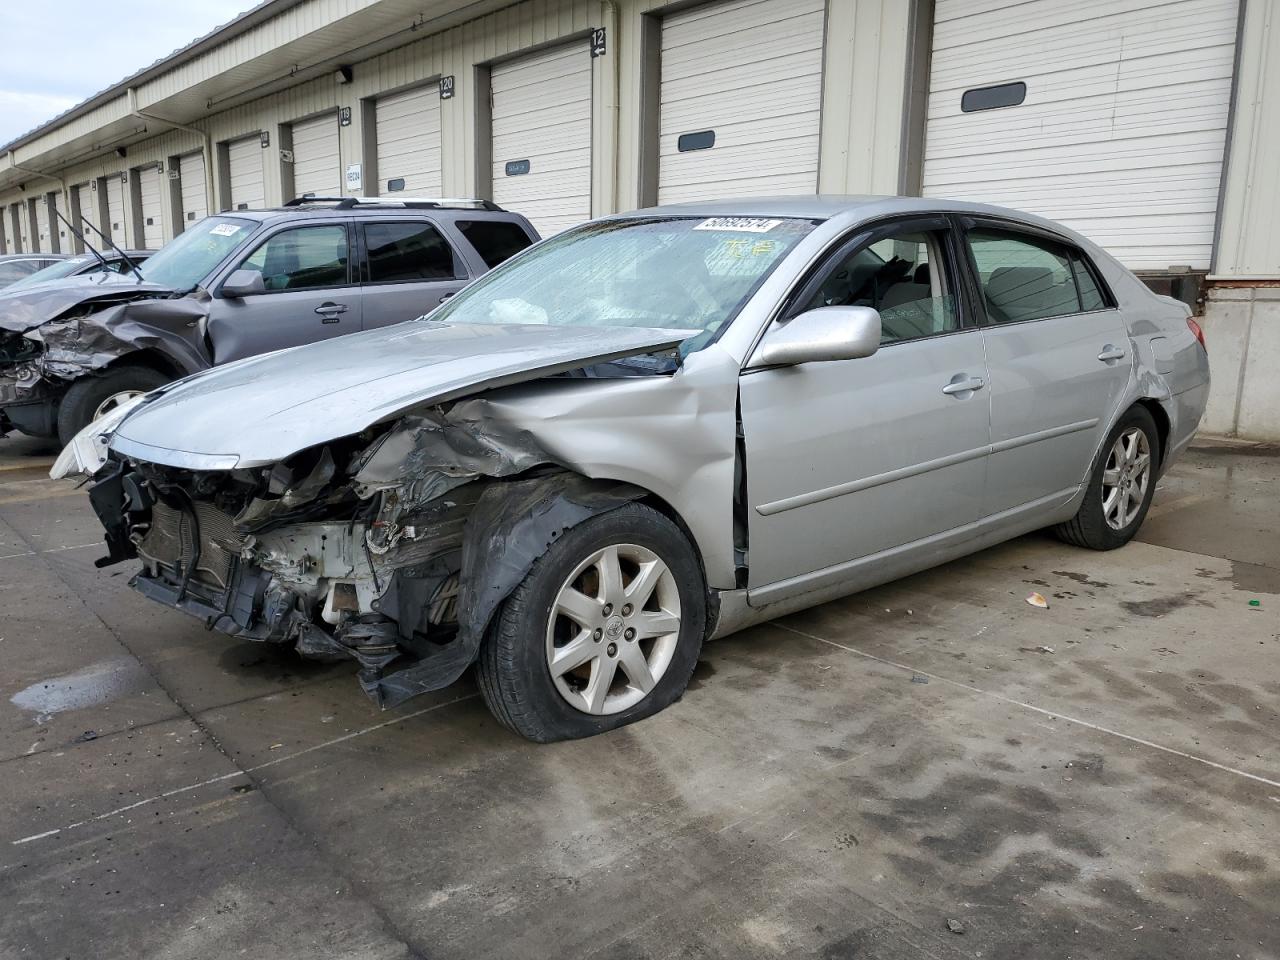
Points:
point(95, 396)
point(604, 630)
point(1120, 488)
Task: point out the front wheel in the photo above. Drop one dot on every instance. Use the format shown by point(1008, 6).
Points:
point(96, 395)
point(1120, 488)
point(603, 631)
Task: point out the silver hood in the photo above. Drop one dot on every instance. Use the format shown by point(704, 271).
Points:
point(266, 408)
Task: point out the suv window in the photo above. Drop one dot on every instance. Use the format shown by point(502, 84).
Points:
point(302, 258)
point(494, 240)
point(1025, 278)
point(904, 277)
point(407, 251)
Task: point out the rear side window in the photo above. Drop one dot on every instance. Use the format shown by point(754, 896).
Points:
point(407, 251)
point(494, 240)
point(1091, 297)
point(1024, 278)
point(17, 269)
point(303, 258)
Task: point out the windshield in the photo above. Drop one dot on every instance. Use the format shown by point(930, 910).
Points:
point(56, 271)
point(689, 273)
point(184, 262)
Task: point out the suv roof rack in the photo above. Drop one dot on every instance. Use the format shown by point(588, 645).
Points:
point(347, 203)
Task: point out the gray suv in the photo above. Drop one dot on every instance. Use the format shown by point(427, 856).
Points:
point(235, 285)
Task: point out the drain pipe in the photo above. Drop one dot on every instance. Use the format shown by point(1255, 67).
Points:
point(66, 196)
point(206, 143)
point(612, 112)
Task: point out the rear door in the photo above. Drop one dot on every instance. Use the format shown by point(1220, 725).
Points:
point(408, 269)
point(853, 458)
point(311, 293)
point(1059, 357)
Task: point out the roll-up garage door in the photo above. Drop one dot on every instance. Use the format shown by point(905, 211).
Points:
point(44, 236)
point(191, 179)
point(115, 210)
point(741, 100)
point(87, 202)
point(149, 179)
point(244, 163)
point(408, 134)
point(542, 137)
point(1108, 116)
point(315, 157)
point(21, 231)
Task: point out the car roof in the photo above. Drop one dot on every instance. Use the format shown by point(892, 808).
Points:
point(852, 209)
point(33, 256)
point(321, 210)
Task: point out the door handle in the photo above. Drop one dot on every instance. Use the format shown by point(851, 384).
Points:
point(329, 312)
point(444, 298)
point(1110, 353)
point(964, 386)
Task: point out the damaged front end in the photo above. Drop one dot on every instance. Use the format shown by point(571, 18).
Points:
point(393, 547)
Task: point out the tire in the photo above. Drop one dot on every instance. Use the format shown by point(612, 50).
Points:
point(85, 396)
point(514, 667)
point(1090, 527)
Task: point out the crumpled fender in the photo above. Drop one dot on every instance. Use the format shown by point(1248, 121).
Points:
point(512, 525)
point(171, 327)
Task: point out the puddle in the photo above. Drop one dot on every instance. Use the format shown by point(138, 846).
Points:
point(87, 687)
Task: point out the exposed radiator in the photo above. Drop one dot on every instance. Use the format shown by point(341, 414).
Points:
point(170, 540)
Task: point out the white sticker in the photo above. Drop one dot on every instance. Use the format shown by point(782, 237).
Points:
point(740, 224)
point(225, 230)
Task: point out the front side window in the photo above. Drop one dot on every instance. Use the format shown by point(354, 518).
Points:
point(494, 240)
point(16, 269)
point(302, 259)
point(1022, 277)
point(683, 273)
point(904, 277)
point(407, 251)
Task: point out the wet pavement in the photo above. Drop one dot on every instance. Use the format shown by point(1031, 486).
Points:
point(931, 769)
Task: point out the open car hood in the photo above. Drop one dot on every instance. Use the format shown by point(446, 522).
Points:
point(29, 307)
point(266, 408)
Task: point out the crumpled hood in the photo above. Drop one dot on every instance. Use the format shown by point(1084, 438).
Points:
point(24, 309)
point(263, 409)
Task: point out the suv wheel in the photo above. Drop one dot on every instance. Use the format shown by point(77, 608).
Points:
point(93, 396)
point(1120, 488)
point(604, 630)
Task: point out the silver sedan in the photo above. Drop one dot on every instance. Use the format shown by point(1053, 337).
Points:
point(648, 431)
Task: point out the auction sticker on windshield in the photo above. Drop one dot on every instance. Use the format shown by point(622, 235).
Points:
point(739, 224)
point(225, 230)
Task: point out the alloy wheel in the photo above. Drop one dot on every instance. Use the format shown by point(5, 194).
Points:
point(1125, 478)
point(113, 401)
point(613, 629)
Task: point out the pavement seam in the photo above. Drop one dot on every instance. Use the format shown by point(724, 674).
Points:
point(915, 671)
point(334, 863)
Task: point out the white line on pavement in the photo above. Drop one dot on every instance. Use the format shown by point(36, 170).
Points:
point(34, 553)
point(244, 772)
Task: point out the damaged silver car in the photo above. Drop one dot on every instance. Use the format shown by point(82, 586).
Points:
point(232, 286)
point(651, 430)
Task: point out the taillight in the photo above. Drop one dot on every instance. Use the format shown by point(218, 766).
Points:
point(1197, 332)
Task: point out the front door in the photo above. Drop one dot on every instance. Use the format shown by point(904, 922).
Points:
point(849, 459)
point(1059, 357)
point(310, 294)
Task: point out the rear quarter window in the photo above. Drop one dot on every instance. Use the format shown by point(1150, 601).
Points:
point(495, 240)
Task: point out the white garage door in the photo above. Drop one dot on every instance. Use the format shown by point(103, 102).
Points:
point(542, 137)
point(1123, 127)
point(244, 164)
point(315, 157)
point(408, 134)
point(115, 209)
point(149, 181)
point(195, 204)
point(741, 100)
point(21, 221)
point(44, 239)
point(87, 202)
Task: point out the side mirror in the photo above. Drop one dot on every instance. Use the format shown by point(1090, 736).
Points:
point(825, 333)
point(243, 283)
